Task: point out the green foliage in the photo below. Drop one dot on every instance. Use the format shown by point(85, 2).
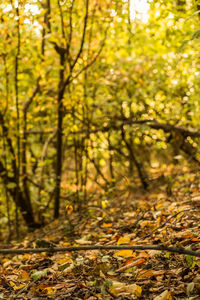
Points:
point(196, 34)
point(39, 274)
point(121, 72)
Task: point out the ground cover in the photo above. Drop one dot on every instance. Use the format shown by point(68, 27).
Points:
point(126, 217)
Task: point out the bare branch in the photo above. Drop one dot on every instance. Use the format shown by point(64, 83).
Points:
point(70, 34)
point(62, 20)
point(83, 36)
point(179, 250)
point(29, 101)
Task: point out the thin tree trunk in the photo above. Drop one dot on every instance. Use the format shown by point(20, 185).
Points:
point(59, 137)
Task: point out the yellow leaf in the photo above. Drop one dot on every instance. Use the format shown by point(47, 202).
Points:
point(20, 286)
point(26, 256)
point(119, 288)
point(12, 284)
point(15, 287)
point(49, 290)
point(124, 253)
point(164, 296)
point(104, 203)
point(159, 205)
point(134, 289)
point(123, 240)
point(64, 260)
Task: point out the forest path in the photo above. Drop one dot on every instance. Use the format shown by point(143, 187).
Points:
point(126, 218)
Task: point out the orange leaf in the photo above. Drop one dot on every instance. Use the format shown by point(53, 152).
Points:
point(131, 265)
point(107, 225)
point(24, 276)
point(194, 239)
point(69, 209)
point(151, 273)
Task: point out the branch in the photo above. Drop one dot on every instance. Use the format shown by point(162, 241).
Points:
point(83, 36)
point(117, 126)
point(48, 15)
point(48, 141)
point(62, 20)
point(92, 61)
point(70, 34)
point(61, 50)
point(168, 128)
point(30, 100)
point(185, 132)
point(179, 250)
point(39, 132)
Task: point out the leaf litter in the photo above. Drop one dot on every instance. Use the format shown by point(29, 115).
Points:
point(127, 218)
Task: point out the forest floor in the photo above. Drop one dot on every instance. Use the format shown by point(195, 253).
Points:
point(126, 218)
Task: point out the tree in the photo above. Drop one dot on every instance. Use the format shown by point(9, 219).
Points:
point(91, 97)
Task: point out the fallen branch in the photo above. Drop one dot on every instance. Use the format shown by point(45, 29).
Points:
point(179, 250)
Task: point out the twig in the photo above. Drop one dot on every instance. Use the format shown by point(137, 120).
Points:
point(25, 288)
point(179, 250)
point(111, 294)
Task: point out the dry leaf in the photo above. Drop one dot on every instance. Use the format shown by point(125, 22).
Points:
point(190, 288)
point(107, 225)
point(164, 296)
point(124, 253)
point(119, 288)
point(83, 242)
point(150, 273)
point(24, 276)
point(131, 265)
point(123, 240)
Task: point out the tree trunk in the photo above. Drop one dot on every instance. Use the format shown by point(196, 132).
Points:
point(21, 202)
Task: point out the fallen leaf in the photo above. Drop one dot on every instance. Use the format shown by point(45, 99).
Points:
point(24, 276)
point(131, 265)
point(190, 288)
point(16, 287)
point(124, 253)
point(39, 274)
point(119, 288)
point(107, 225)
point(83, 242)
point(123, 240)
point(166, 295)
point(150, 273)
